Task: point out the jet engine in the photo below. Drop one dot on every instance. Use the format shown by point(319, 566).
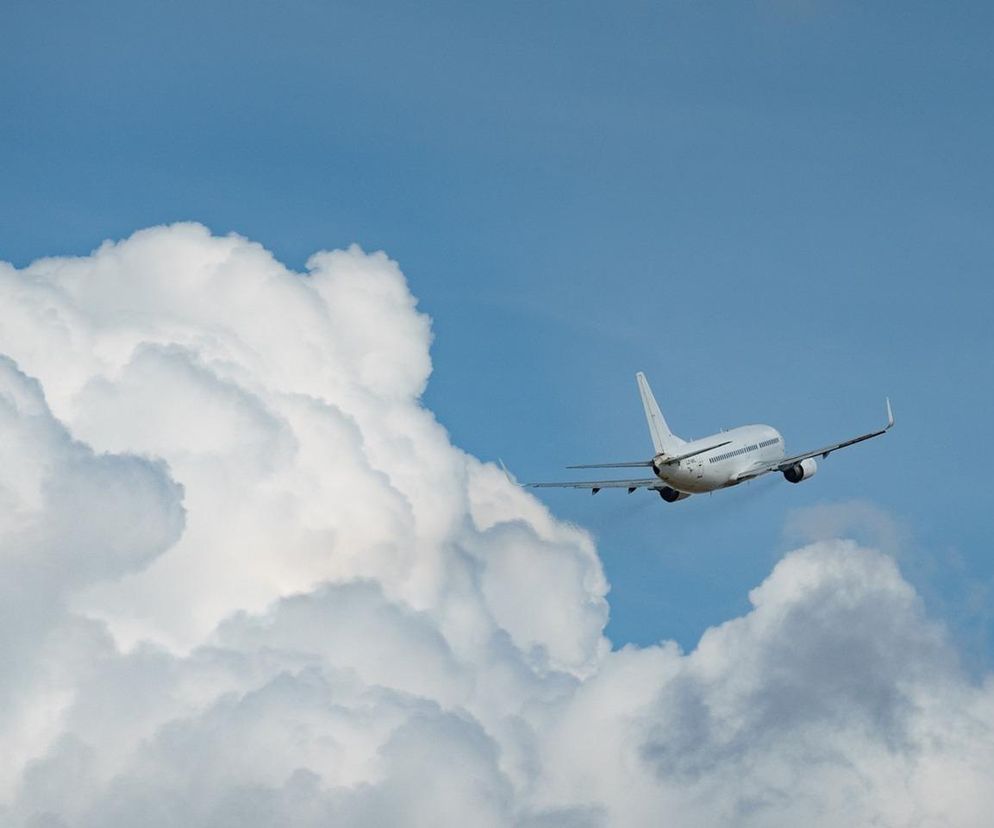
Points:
point(672, 495)
point(801, 471)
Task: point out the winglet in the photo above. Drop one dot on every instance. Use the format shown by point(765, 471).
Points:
point(890, 415)
point(510, 477)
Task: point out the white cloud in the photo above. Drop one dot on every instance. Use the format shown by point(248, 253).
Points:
point(68, 517)
point(247, 580)
point(848, 518)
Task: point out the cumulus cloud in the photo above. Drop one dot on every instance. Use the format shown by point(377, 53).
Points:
point(247, 580)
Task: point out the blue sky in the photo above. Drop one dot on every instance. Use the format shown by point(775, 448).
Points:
point(780, 211)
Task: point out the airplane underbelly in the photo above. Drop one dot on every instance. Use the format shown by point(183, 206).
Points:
point(691, 480)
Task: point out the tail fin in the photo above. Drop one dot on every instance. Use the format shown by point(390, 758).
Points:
point(663, 439)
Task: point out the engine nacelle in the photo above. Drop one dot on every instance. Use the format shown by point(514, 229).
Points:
point(672, 495)
point(801, 471)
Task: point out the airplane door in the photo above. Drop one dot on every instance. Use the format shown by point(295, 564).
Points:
point(697, 467)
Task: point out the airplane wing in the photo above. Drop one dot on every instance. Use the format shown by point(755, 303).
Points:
point(596, 485)
point(824, 451)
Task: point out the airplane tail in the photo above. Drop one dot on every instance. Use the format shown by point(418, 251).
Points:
point(664, 440)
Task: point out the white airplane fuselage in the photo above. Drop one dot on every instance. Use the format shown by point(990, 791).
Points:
point(747, 447)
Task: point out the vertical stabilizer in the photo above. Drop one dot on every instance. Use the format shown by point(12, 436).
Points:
point(662, 438)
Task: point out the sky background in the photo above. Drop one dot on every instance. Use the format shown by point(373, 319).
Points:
point(780, 211)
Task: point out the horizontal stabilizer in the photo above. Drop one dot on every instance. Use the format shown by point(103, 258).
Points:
point(631, 465)
point(669, 461)
point(596, 485)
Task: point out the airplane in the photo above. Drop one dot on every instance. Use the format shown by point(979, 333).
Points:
point(726, 459)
